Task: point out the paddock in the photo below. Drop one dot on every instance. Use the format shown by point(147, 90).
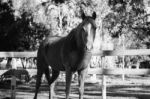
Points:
point(103, 84)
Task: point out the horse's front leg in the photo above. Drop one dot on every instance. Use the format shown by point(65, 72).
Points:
point(68, 82)
point(82, 75)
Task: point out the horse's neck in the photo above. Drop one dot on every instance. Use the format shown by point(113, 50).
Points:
point(73, 41)
point(71, 35)
point(70, 40)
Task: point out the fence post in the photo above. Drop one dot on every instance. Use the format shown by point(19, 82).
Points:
point(104, 87)
point(13, 87)
point(103, 80)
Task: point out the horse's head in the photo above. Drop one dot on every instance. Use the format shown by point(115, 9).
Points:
point(87, 31)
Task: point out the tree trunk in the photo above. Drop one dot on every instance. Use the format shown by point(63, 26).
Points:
point(123, 58)
point(8, 64)
point(23, 62)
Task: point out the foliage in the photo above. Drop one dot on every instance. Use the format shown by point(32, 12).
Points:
point(31, 20)
point(18, 31)
point(128, 17)
point(129, 20)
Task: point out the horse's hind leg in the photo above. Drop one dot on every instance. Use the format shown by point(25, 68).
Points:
point(38, 81)
point(50, 80)
point(41, 66)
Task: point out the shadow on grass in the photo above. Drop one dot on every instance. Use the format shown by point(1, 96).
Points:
point(125, 91)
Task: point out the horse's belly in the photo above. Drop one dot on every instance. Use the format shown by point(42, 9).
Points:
point(57, 66)
point(54, 59)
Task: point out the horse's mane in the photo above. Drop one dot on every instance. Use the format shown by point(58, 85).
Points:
point(74, 32)
point(71, 38)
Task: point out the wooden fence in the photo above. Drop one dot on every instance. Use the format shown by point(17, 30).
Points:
point(103, 72)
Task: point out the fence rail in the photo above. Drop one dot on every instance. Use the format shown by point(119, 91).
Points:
point(18, 54)
point(104, 71)
point(117, 71)
point(95, 53)
point(99, 71)
point(122, 52)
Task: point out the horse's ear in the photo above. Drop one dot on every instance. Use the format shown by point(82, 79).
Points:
point(94, 15)
point(83, 15)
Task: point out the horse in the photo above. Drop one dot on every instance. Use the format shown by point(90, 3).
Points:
point(71, 54)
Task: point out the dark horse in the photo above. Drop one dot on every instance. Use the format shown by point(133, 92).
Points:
point(70, 54)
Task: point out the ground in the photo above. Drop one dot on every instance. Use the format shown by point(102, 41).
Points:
point(133, 87)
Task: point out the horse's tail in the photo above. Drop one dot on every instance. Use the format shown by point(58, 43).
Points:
point(41, 56)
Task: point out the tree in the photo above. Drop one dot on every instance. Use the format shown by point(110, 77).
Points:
point(129, 18)
point(18, 31)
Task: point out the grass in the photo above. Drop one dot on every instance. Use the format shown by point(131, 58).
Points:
point(134, 87)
